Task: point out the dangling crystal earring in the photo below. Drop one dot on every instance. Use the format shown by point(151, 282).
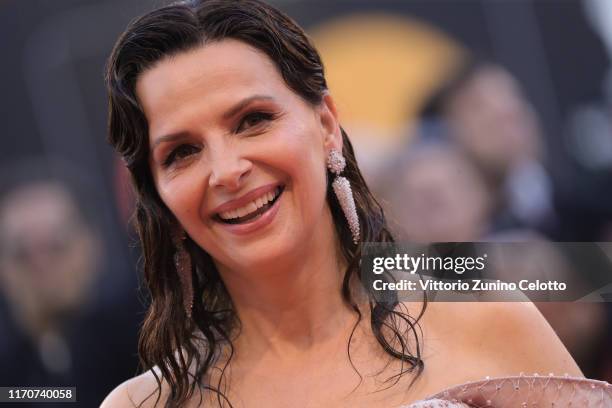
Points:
point(182, 262)
point(336, 163)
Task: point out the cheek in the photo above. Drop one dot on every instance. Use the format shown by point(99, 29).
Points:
point(304, 163)
point(183, 196)
point(301, 158)
point(299, 147)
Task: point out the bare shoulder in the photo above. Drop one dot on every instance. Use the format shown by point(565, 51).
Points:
point(140, 391)
point(505, 338)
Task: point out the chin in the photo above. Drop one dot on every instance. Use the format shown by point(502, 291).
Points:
point(281, 248)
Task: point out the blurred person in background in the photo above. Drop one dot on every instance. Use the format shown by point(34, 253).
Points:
point(483, 111)
point(55, 330)
point(435, 193)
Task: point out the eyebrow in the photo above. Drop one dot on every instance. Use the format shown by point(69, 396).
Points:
point(168, 138)
point(245, 102)
point(228, 114)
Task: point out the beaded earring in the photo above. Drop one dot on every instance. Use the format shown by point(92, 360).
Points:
point(182, 263)
point(342, 188)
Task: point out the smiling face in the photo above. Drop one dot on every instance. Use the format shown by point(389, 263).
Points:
point(236, 155)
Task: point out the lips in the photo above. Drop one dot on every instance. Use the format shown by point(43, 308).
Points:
point(249, 207)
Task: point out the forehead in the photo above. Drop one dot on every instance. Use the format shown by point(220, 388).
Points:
point(213, 74)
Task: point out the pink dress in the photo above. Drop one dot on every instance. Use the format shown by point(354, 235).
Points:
point(523, 391)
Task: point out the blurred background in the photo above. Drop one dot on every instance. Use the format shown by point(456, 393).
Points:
point(471, 119)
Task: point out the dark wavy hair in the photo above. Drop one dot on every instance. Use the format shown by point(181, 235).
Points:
point(169, 339)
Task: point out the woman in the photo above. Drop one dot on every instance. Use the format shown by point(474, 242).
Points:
point(252, 229)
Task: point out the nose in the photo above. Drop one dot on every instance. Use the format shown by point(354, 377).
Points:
point(229, 171)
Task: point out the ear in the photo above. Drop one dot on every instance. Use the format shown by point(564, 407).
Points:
point(329, 124)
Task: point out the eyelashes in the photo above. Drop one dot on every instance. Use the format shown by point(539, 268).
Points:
point(255, 121)
point(180, 152)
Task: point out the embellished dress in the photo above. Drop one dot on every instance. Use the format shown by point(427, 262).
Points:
point(522, 391)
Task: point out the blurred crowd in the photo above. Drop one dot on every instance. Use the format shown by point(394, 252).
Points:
point(476, 171)
point(476, 165)
point(57, 327)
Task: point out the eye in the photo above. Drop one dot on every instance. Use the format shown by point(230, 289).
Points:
point(180, 152)
point(253, 119)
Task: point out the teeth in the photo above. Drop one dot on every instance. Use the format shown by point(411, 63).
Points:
point(250, 207)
